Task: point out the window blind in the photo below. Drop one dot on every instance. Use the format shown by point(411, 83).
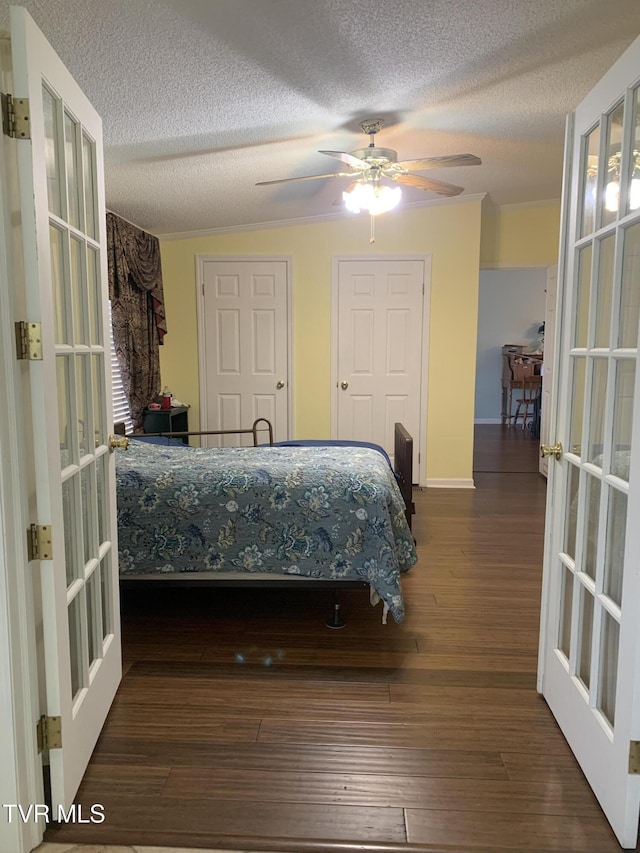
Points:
point(119, 402)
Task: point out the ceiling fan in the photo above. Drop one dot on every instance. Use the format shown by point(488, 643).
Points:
point(369, 165)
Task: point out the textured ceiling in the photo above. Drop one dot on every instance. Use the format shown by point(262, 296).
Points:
point(200, 99)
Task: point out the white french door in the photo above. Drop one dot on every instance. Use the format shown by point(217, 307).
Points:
point(590, 627)
point(64, 247)
point(379, 342)
point(244, 345)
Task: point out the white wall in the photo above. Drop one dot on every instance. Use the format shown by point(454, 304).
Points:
point(510, 309)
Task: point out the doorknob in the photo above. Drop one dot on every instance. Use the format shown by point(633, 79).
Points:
point(117, 443)
point(551, 450)
point(344, 385)
point(279, 384)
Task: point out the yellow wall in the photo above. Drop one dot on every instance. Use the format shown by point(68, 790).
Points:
point(450, 233)
point(520, 236)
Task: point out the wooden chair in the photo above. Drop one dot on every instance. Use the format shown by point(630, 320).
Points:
point(516, 367)
point(529, 387)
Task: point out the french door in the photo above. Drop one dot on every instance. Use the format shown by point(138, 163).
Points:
point(64, 252)
point(590, 628)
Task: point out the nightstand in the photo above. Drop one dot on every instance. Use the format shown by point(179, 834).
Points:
point(175, 419)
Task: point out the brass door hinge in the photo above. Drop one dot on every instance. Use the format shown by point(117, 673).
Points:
point(49, 733)
point(28, 341)
point(39, 545)
point(15, 117)
point(634, 757)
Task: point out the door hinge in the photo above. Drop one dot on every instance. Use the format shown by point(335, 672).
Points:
point(49, 733)
point(39, 545)
point(634, 757)
point(28, 341)
point(15, 117)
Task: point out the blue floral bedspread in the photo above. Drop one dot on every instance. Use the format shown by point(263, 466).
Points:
point(330, 512)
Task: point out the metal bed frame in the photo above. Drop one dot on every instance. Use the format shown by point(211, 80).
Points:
point(403, 462)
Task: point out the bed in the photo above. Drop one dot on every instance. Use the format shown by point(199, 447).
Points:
point(330, 513)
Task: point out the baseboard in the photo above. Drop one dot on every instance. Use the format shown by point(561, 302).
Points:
point(436, 483)
point(488, 421)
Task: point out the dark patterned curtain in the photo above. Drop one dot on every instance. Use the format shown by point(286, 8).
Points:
point(137, 310)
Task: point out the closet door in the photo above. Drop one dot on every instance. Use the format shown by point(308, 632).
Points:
point(244, 346)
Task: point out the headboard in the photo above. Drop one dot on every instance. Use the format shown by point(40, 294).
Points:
point(403, 462)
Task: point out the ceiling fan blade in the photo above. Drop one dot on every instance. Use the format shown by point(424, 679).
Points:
point(421, 183)
point(440, 162)
point(347, 189)
point(349, 159)
point(304, 178)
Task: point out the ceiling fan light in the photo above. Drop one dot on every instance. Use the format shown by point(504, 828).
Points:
point(375, 199)
point(611, 196)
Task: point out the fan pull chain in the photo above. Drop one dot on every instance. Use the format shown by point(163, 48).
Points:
point(372, 239)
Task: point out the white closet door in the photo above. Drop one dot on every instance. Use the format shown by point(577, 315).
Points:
point(244, 350)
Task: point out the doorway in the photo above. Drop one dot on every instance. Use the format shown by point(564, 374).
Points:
point(511, 310)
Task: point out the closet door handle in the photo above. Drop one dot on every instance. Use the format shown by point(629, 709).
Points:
point(279, 384)
point(344, 384)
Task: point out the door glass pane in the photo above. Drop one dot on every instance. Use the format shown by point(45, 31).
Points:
point(88, 519)
point(577, 404)
point(586, 631)
point(630, 292)
point(572, 511)
point(614, 156)
point(608, 679)
point(99, 427)
point(93, 631)
point(88, 168)
point(605, 289)
point(592, 514)
point(615, 543)
point(633, 198)
point(75, 639)
point(61, 307)
point(64, 410)
point(78, 291)
point(583, 288)
point(105, 576)
point(564, 633)
point(597, 410)
point(623, 418)
point(94, 297)
point(70, 517)
point(84, 403)
point(51, 106)
point(71, 160)
point(101, 485)
point(590, 172)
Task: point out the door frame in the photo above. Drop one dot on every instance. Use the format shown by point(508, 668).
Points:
point(424, 362)
point(202, 365)
point(19, 665)
point(560, 326)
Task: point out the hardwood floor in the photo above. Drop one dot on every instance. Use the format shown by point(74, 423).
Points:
point(242, 722)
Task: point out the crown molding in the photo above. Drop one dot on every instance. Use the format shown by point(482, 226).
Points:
point(547, 202)
point(312, 220)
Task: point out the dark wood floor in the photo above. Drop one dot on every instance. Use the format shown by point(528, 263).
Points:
point(242, 722)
